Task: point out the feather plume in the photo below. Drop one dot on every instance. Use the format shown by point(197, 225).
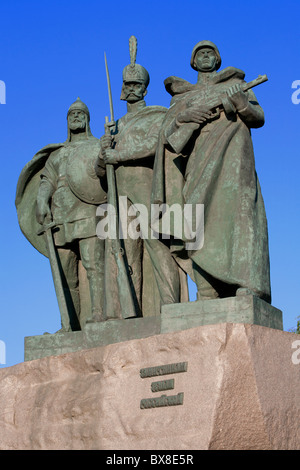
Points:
point(132, 50)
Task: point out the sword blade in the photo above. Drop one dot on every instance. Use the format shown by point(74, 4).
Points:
point(56, 274)
point(109, 91)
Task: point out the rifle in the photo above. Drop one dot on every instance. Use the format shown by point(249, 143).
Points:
point(182, 135)
point(128, 309)
point(224, 102)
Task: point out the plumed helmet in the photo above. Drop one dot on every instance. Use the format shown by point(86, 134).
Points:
point(135, 72)
point(201, 44)
point(79, 105)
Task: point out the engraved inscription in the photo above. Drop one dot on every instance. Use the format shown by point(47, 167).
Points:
point(162, 385)
point(164, 400)
point(164, 370)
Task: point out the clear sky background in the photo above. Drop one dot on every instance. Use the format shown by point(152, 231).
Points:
point(53, 51)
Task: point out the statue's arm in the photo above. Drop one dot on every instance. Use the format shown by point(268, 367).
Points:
point(45, 192)
point(136, 145)
point(43, 200)
point(100, 166)
point(138, 149)
point(247, 107)
point(106, 142)
point(177, 132)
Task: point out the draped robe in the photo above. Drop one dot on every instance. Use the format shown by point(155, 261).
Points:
point(213, 164)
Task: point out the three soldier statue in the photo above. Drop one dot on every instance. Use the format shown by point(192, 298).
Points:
point(199, 151)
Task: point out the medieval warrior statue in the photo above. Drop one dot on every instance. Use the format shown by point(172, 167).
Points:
point(131, 147)
point(57, 194)
point(205, 148)
point(199, 151)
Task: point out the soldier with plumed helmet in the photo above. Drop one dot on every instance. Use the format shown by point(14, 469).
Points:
point(131, 148)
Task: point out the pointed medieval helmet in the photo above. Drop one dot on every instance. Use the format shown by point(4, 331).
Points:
point(80, 106)
point(134, 72)
point(201, 44)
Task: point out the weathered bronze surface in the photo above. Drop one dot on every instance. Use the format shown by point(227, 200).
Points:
point(164, 369)
point(156, 278)
point(197, 152)
point(164, 400)
point(57, 196)
point(206, 150)
point(161, 385)
point(245, 309)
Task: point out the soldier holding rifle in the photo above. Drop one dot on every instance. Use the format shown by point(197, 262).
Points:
point(206, 145)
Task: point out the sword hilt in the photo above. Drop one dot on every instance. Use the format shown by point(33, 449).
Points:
point(108, 125)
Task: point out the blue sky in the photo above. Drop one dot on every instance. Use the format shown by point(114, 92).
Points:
point(53, 52)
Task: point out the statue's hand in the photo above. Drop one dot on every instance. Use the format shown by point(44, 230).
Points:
point(100, 166)
point(106, 141)
point(42, 212)
point(111, 156)
point(237, 97)
point(198, 114)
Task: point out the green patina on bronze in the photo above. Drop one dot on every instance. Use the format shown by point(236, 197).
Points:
point(50, 191)
point(156, 278)
point(208, 157)
point(199, 151)
point(57, 197)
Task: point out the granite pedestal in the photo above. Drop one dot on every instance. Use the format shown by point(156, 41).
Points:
point(221, 386)
point(174, 317)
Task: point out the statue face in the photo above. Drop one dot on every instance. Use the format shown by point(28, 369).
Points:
point(133, 91)
point(205, 59)
point(76, 120)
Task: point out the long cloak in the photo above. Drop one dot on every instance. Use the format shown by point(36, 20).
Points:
point(214, 165)
point(26, 201)
point(136, 137)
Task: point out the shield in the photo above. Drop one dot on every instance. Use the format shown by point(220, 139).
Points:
point(27, 189)
point(81, 175)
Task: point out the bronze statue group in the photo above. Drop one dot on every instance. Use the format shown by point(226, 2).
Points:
point(198, 151)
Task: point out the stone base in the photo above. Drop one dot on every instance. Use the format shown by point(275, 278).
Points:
point(93, 335)
point(174, 317)
point(242, 309)
point(225, 386)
